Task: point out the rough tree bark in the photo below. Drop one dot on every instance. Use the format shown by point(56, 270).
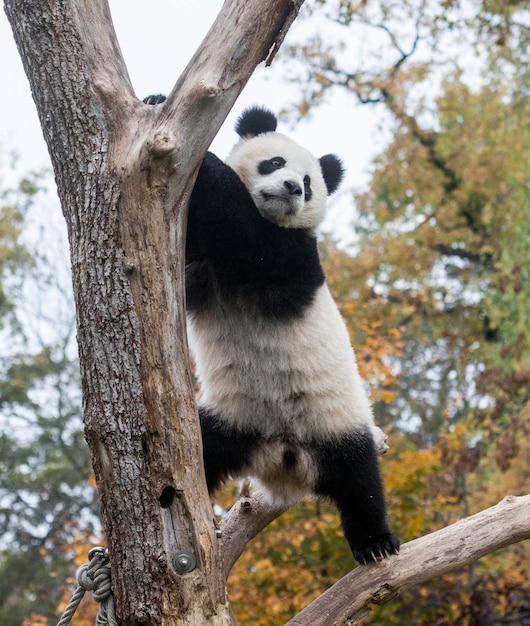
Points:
point(124, 172)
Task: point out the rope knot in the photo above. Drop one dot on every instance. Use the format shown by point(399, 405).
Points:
point(95, 577)
point(84, 579)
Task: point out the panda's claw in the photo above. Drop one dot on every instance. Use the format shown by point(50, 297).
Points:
point(377, 549)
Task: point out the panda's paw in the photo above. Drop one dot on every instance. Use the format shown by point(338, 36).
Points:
point(376, 549)
point(154, 99)
point(380, 440)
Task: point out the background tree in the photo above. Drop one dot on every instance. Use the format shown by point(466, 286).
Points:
point(43, 460)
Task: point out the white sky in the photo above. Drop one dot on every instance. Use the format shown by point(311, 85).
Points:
point(157, 38)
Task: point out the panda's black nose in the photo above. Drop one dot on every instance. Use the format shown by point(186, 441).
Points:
point(292, 187)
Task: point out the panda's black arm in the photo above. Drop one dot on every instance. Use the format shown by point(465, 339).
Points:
point(221, 209)
point(225, 226)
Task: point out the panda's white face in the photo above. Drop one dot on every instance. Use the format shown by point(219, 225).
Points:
point(284, 180)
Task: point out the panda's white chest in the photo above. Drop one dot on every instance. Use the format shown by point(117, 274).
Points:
point(294, 379)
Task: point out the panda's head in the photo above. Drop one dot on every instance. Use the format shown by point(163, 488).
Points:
point(287, 183)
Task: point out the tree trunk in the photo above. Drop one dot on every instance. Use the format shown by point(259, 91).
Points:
point(124, 173)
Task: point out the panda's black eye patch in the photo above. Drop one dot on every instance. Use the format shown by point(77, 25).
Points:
point(308, 193)
point(271, 165)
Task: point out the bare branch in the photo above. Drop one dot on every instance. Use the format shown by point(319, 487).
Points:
point(249, 516)
point(418, 561)
point(289, 18)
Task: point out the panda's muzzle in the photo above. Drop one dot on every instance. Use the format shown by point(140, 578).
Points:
point(293, 188)
point(286, 198)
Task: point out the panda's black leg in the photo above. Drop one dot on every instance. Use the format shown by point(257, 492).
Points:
point(348, 473)
point(226, 451)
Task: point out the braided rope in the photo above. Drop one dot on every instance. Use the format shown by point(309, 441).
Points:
point(93, 576)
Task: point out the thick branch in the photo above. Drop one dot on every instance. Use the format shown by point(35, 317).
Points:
point(158, 174)
point(418, 561)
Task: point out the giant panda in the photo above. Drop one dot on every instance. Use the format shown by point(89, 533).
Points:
point(281, 396)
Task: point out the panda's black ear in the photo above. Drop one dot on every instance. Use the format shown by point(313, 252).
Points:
point(332, 171)
point(255, 121)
